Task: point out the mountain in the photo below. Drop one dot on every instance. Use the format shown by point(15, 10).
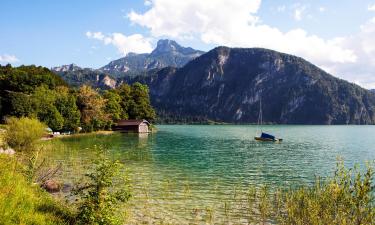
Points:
point(166, 53)
point(372, 90)
point(227, 84)
point(77, 76)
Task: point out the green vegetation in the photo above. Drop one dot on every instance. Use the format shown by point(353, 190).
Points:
point(347, 198)
point(36, 92)
point(22, 134)
point(22, 203)
point(100, 201)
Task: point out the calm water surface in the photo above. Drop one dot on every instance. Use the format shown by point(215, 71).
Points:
point(182, 169)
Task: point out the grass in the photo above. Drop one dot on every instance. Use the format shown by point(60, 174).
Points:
point(22, 203)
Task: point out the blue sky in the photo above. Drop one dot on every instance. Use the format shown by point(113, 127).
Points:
point(336, 35)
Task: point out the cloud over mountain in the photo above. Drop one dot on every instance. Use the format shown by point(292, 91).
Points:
point(237, 24)
point(124, 44)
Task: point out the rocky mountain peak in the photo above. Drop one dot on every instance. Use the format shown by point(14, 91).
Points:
point(166, 45)
point(65, 68)
point(167, 53)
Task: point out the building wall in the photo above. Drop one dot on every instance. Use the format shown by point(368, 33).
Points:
point(143, 128)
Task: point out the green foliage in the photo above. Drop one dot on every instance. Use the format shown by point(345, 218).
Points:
point(44, 103)
point(140, 106)
point(101, 195)
point(124, 91)
point(23, 133)
point(66, 104)
point(26, 78)
point(21, 203)
point(113, 105)
point(29, 91)
point(347, 198)
point(91, 105)
point(20, 104)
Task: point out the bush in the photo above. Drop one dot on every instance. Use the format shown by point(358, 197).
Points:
point(22, 203)
point(346, 198)
point(100, 196)
point(23, 133)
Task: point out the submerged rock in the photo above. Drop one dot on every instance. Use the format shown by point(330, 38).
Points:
point(67, 188)
point(51, 186)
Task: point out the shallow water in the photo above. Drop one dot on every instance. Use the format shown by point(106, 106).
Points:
point(186, 173)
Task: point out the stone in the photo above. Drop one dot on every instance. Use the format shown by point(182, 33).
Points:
point(51, 186)
point(7, 151)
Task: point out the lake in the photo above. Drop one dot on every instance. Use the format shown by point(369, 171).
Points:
point(187, 173)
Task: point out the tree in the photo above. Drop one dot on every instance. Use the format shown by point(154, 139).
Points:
point(91, 105)
point(66, 104)
point(126, 100)
point(20, 105)
point(44, 103)
point(140, 107)
point(113, 104)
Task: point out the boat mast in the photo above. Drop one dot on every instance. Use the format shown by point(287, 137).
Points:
point(260, 116)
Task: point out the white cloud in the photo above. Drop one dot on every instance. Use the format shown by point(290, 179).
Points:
point(8, 58)
point(235, 24)
point(363, 71)
point(322, 9)
point(299, 11)
point(183, 18)
point(133, 43)
point(371, 7)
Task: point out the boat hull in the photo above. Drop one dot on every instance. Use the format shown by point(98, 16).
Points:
point(268, 139)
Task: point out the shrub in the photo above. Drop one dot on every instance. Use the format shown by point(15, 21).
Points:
point(23, 133)
point(100, 196)
point(346, 198)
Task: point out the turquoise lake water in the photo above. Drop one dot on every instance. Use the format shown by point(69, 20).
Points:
point(210, 162)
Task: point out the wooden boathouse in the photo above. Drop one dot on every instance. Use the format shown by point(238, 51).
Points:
point(132, 126)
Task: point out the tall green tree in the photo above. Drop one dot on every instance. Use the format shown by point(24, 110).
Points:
point(113, 105)
point(18, 104)
point(92, 105)
point(124, 91)
point(140, 106)
point(44, 103)
point(66, 104)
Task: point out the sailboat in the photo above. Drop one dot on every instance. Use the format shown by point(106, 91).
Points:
point(264, 136)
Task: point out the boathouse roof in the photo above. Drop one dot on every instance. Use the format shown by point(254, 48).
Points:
point(131, 122)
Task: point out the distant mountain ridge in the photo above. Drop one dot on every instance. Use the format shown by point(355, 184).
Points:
point(77, 76)
point(166, 53)
point(227, 84)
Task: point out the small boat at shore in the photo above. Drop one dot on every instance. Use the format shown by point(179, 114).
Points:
point(264, 136)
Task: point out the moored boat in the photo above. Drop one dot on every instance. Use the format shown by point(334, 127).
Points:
point(267, 137)
point(264, 136)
